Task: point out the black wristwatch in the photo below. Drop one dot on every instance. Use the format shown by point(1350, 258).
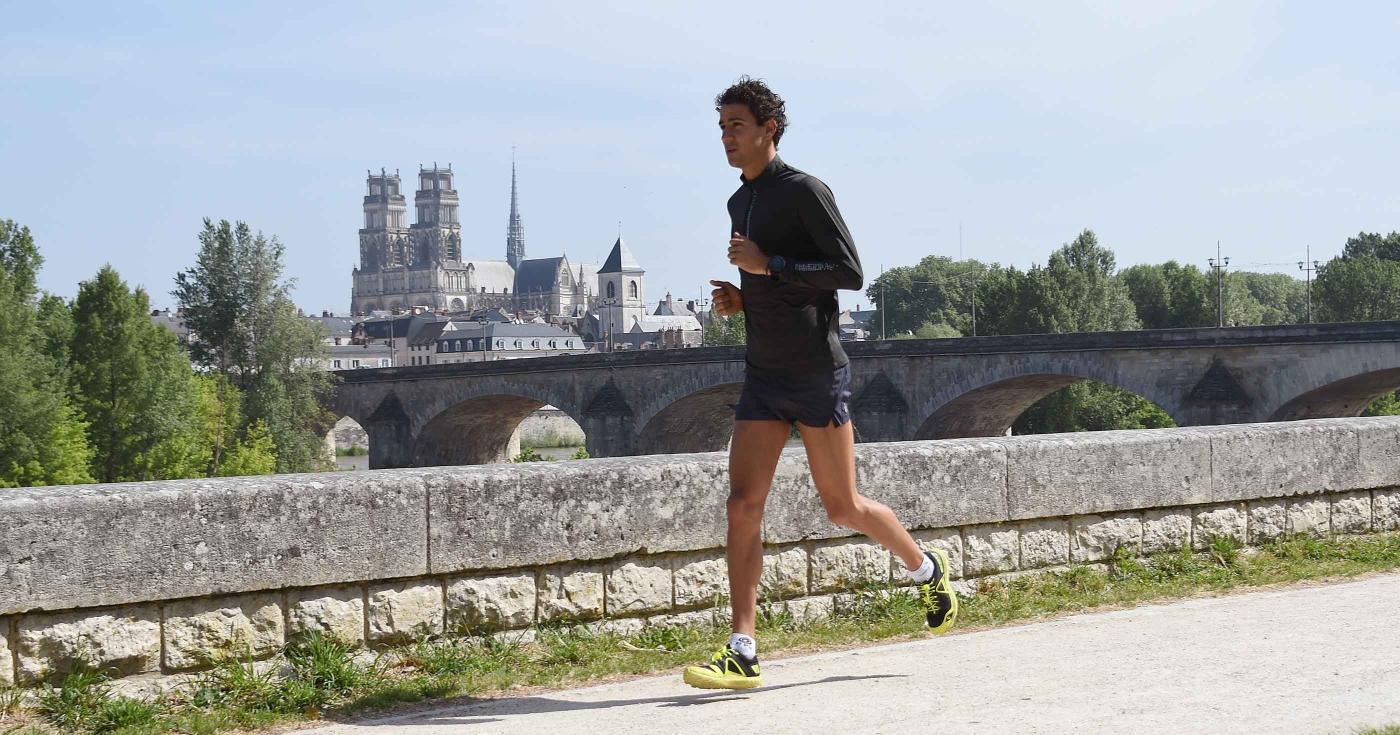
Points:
point(776, 264)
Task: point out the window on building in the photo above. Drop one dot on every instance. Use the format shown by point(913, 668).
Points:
point(374, 189)
point(354, 363)
point(517, 344)
point(612, 292)
point(632, 289)
point(534, 343)
point(456, 345)
point(337, 364)
point(551, 344)
point(383, 362)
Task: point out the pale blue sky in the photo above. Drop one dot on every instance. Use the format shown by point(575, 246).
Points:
point(1162, 126)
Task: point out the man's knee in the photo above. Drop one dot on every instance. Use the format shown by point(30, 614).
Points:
point(844, 513)
point(745, 507)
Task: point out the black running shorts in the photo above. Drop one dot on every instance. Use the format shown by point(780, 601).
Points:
point(814, 399)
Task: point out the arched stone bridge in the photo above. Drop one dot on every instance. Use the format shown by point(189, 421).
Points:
point(672, 401)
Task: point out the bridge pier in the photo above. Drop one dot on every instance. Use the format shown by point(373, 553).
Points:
point(609, 435)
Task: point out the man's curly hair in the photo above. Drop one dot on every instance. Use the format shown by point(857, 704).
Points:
point(764, 103)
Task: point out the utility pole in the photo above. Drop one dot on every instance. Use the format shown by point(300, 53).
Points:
point(882, 302)
point(1218, 265)
point(1307, 267)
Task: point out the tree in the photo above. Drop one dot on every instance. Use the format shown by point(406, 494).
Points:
point(133, 385)
point(1091, 406)
point(938, 290)
point(41, 437)
point(724, 330)
point(256, 454)
point(1170, 295)
point(1078, 291)
point(245, 327)
point(1363, 283)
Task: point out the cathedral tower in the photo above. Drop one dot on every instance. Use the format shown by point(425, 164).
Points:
point(384, 240)
point(437, 235)
point(515, 230)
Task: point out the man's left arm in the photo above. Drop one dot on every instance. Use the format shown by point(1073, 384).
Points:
point(839, 267)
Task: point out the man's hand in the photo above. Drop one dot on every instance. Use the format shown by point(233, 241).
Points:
point(727, 300)
point(744, 253)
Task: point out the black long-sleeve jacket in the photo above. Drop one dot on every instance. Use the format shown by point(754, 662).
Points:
point(791, 316)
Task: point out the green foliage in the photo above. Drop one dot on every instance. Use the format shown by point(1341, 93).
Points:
point(527, 454)
point(40, 440)
point(1386, 405)
point(245, 327)
point(1090, 406)
point(936, 293)
point(1363, 283)
point(1170, 295)
point(724, 330)
point(79, 703)
point(582, 453)
point(254, 454)
point(353, 450)
point(134, 386)
point(326, 664)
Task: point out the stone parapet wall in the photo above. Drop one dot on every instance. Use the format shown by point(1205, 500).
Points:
point(153, 578)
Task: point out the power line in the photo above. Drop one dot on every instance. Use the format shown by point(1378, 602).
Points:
point(1308, 267)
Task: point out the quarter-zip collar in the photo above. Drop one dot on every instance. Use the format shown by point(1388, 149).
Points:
point(766, 176)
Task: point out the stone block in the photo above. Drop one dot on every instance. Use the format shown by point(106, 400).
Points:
point(620, 627)
point(639, 586)
point(1210, 521)
point(989, 549)
point(335, 612)
point(808, 609)
point(1380, 451)
point(1097, 537)
point(1385, 510)
point(1268, 519)
point(1309, 516)
point(784, 574)
point(404, 611)
point(701, 580)
point(947, 539)
point(717, 617)
point(1165, 529)
point(125, 640)
point(570, 593)
point(1351, 512)
point(531, 514)
point(476, 604)
point(1044, 543)
point(1102, 471)
point(1286, 458)
point(207, 537)
point(198, 631)
point(7, 661)
point(840, 567)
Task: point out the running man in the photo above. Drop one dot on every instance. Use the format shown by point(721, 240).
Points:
point(793, 252)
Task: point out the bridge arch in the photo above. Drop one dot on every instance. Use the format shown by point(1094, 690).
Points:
point(476, 430)
point(990, 409)
point(701, 421)
point(1341, 398)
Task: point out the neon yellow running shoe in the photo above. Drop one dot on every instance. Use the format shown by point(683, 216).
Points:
point(940, 601)
point(727, 669)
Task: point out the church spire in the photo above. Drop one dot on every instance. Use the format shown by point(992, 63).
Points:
point(515, 230)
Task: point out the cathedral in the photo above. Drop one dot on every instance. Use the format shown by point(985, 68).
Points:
point(425, 264)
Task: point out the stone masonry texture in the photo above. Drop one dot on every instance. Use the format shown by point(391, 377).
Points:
point(335, 612)
point(990, 549)
point(1268, 519)
point(491, 603)
point(126, 641)
point(1351, 512)
point(784, 574)
point(701, 580)
point(637, 586)
point(571, 594)
point(1165, 529)
point(404, 611)
point(1385, 509)
point(1098, 537)
point(7, 669)
point(1044, 543)
point(844, 566)
point(1227, 521)
point(197, 631)
point(1309, 516)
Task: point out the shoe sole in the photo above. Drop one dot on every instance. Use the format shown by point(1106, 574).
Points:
point(700, 680)
point(953, 613)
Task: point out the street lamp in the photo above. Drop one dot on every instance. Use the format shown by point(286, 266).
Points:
point(609, 301)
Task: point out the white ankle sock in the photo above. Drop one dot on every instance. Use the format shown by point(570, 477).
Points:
point(745, 645)
point(925, 571)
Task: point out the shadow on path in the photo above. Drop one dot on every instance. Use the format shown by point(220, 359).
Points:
point(494, 710)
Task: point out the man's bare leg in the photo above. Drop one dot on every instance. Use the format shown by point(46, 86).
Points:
point(753, 457)
point(831, 452)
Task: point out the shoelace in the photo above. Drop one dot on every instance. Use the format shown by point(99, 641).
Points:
point(719, 657)
point(926, 591)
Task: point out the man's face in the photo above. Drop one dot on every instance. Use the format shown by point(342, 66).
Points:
point(745, 141)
